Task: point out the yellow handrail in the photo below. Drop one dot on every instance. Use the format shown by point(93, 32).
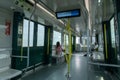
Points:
point(48, 41)
point(105, 41)
point(68, 58)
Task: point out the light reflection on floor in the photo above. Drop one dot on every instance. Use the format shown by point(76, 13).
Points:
point(78, 71)
point(77, 62)
point(99, 78)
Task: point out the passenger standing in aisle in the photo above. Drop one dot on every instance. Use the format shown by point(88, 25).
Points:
point(58, 51)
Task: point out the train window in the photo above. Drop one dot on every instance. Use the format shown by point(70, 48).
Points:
point(77, 40)
point(25, 33)
point(56, 37)
point(93, 40)
point(66, 39)
point(84, 41)
point(40, 35)
point(112, 32)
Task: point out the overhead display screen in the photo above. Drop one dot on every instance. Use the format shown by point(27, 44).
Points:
point(68, 14)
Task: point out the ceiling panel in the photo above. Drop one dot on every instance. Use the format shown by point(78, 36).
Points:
point(77, 23)
point(100, 11)
point(6, 4)
point(58, 5)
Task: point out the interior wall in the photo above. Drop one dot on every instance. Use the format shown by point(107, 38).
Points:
point(5, 40)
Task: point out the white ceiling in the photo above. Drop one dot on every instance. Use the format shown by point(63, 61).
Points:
point(61, 5)
point(98, 11)
point(6, 4)
point(78, 24)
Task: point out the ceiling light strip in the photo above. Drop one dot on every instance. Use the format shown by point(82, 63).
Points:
point(41, 7)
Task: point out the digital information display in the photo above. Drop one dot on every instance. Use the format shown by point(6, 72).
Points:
point(68, 14)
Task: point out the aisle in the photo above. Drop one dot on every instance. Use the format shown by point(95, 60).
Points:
point(78, 71)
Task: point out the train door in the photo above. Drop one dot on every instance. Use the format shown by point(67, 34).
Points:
point(110, 49)
point(48, 44)
point(23, 58)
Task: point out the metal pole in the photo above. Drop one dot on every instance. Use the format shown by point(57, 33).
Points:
point(28, 48)
point(100, 64)
point(88, 45)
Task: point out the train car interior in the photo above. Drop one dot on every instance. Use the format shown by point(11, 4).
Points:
point(88, 32)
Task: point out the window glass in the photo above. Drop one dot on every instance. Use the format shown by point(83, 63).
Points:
point(56, 37)
point(112, 32)
point(93, 40)
point(25, 33)
point(66, 36)
point(40, 35)
point(77, 40)
point(84, 41)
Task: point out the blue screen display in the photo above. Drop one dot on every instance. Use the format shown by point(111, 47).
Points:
point(67, 14)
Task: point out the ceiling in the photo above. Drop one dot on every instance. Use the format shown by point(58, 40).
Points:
point(99, 11)
point(79, 24)
point(61, 5)
point(6, 4)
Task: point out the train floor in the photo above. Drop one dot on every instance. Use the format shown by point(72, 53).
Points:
point(79, 70)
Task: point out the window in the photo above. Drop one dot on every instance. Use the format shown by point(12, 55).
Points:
point(25, 33)
point(84, 41)
point(40, 35)
point(66, 37)
point(56, 37)
point(77, 40)
point(93, 40)
point(112, 32)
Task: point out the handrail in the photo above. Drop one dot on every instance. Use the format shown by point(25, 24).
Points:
point(104, 64)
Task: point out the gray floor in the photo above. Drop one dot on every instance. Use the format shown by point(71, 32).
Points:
point(79, 71)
